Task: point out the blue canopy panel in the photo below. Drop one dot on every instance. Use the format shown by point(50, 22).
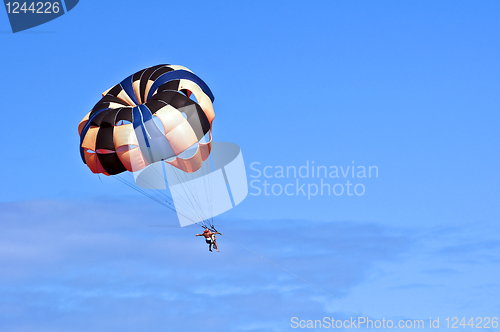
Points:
point(179, 75)
point(152, 143)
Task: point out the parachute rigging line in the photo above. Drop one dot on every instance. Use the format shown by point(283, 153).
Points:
point(145, 193)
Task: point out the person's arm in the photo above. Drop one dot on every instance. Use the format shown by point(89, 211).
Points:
point(199, 234)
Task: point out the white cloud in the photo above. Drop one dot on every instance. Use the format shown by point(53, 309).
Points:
point(93, 265)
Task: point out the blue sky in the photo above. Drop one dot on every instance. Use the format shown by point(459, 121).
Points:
point(411, 88)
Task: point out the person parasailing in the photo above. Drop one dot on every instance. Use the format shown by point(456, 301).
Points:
point(210, 239)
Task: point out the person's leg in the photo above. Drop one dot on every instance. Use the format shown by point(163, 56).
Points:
point(215, 246)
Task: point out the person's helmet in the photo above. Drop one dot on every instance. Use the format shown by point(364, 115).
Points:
point(206, 230)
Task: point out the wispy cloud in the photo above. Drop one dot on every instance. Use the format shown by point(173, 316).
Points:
point(95, 265)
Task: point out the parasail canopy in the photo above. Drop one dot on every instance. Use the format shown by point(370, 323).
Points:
point(149, 117)
point(156, 125)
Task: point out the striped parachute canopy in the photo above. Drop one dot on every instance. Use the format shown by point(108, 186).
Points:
point(149, 117)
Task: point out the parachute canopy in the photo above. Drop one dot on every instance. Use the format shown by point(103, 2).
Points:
point(149, 117)
point(156, 124)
